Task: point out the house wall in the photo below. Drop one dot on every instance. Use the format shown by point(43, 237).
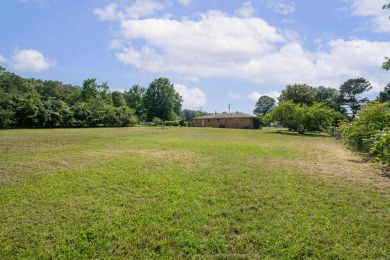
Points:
point(223, 122)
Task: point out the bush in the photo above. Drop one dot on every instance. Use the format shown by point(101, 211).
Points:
point(302, 118)
point(156, 121)
point(369, 132)
point(183, 123)
point(381, 145)
point(171, 123)
point(258, 121)
point(6, 118)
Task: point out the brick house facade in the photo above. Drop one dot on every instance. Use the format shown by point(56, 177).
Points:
point(226, 120)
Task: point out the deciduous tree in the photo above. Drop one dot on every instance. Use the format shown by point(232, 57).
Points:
point(91, 90)
point(55, 113)
point(161, 100)
point(118, 99)
point(350, 94)
point(302, 118)
point(264, 105)
point(330, 97)
point(299, 94)
point(134, 100)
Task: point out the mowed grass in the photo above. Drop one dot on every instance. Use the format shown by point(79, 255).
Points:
point(146, 193)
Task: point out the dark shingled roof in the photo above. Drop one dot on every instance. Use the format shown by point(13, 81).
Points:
point(226, 115)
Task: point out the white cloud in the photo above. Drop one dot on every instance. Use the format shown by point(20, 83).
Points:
point(139, 9)
point(40, 3)
point(115, 44)
point(30, 60)
point(366, 7)
point(2, 58)
point(350, 59)
point(109, 12)
point(373, 10)
point(234, 95)
point(193, 98)
point(246, 10)
point(214, 45)
point(218, 45)
point(185, 2)
point(143, 8)
point(256, 95)
point(281, 7)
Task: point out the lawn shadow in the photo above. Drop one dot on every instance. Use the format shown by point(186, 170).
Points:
point(386, 172)
point(365, 160)
point(308, 134)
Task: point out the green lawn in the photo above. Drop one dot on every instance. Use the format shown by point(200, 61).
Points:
point(187, 192)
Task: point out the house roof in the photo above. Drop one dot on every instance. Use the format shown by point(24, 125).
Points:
point(225, 115)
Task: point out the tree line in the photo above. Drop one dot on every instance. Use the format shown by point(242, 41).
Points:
point(32, 103)
point(347, 99)
point(364, 125)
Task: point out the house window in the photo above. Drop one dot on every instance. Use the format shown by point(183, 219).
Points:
point(208, 120)
point(237, 120)
point(217, 120)
point(226, 120)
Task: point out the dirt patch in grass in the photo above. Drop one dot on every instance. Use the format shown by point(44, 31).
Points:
point(331, 159)
point(179, 159)
point(14, 170)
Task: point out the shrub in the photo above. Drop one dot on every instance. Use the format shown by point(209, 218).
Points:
point(171, 123)
point(381, 145)
point(258, 121)
point(369, 132)
point(302, 118)
point(156, 121)
point(183, 123)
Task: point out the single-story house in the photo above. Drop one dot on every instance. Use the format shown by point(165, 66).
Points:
point(228, 120)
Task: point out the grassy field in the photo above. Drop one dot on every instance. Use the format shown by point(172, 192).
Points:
point(187, 192)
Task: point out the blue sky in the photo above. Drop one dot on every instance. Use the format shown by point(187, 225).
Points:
point(216, 52)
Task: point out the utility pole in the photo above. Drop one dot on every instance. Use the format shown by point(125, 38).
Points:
point(229, 108)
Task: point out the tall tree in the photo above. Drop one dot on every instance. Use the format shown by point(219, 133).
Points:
point(7, 105)
point(299, 94)
point(384, 96)
point(55, 113)
point(118, 99)
point(89, 89)
point(264, 105)
point(327, 95)
point(161, 100)
point(350, 94)
point(27, 108)
point(330, 97)
point(134, 99)
point(92, 90)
